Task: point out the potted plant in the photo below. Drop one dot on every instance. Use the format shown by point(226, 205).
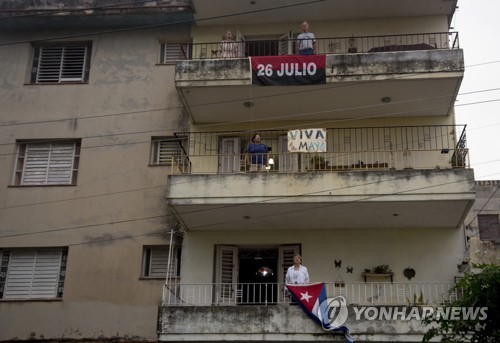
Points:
point(318, 162)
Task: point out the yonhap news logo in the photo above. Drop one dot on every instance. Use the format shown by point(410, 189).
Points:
point(335, 312)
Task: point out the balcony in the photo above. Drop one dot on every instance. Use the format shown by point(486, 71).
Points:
point(247, 312)
point(392, 76)
point(383, 177)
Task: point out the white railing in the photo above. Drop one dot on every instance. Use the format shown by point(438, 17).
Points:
point(382, 293)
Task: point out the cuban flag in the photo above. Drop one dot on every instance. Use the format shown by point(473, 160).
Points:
point(330, 313)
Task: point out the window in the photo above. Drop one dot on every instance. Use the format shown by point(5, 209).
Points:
point(165, 150)
point(32, 273)
point(489, 227)
point(155, 261)
point(170, 52)
point(47, 163)
point(61, 63)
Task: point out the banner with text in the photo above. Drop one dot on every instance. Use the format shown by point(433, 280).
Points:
point(307, 140)
point(288, 70)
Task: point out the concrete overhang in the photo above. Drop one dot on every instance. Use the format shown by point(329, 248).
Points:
point(416, 83)
point(257, 12)
point(323, 200)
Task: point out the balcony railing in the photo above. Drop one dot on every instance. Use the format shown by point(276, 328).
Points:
point(348, 149)
point(382, 293)
point(331, 45)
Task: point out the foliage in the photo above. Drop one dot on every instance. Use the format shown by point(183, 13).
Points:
point(417, 300)
point(381, 269)
point(481, 290)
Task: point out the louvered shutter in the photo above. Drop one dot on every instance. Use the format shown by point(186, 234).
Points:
point(170, 52)
point(33, 274)
point(167, 150)
point(158, 263)
point(49, 163)
point(227, 275)
point(285, 260)
point(61, 63)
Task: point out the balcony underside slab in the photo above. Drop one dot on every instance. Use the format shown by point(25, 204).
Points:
point(392, 199)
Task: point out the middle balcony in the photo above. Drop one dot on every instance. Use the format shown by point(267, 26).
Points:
point(379, 177)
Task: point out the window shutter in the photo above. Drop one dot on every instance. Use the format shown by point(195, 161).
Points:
point(159, 262)
point(170, 52)
point(489, 227)
point(60, 63)
point(49, 163)
point(33, 274)
point(163, 149)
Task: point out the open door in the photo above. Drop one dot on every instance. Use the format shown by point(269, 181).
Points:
point(226, 276)
point(285, 260)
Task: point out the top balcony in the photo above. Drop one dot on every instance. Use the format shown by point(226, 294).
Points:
point(366, 76)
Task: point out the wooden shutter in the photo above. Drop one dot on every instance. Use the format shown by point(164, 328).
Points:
point(33, 274)
point(49, 163)
point(226, 274)
point(285, 260)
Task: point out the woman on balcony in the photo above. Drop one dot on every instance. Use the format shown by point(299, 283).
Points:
point(256, 154)
point(297, 274)
point(228, 47)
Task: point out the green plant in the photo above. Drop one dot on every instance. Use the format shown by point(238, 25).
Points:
point(381, 269)
point(417, 299)
point(477, 291)
point(318, 162)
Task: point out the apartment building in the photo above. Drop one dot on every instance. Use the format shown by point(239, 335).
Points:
point(130, 209)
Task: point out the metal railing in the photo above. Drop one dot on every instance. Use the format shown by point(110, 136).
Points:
point(381, 293)
point(329, 45)
point(348, 149)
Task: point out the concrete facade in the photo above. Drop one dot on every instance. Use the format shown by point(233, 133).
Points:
point(122, 203)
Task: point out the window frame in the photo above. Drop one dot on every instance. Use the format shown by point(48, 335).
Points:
point(174, 48)
point(175, 144)
point(45, 58)
point(42, 263)
point(27, 158)
point(150, 261)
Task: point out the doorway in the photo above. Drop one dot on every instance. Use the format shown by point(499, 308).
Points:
point(258, 275)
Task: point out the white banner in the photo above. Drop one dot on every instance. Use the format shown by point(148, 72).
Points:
point(307, 140)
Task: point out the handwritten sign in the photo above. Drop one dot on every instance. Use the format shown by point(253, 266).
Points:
point(307, 140)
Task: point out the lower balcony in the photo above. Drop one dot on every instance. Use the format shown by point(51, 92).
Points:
point(376, 312)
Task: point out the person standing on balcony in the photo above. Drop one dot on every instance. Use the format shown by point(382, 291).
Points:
point(306, 41)
point(256, 154)
point(228, 47)
point(297, 274)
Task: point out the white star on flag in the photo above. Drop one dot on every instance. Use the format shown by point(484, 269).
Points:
point(305, 296)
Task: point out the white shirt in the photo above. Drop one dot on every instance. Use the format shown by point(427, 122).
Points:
point(296, 277)
point(306, 40)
